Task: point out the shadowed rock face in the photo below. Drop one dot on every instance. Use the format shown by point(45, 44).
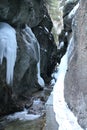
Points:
point(20, 12)
point(35, 15)
point(76, 77)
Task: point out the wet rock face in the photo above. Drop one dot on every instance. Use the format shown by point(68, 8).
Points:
point(25, 74)
point(76, 77)
point(34, 14)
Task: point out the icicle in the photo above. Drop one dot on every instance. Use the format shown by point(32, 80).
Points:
point(40, 80)
point(8, 48)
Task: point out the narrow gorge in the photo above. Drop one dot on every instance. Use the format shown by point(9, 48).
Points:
point(42, 52)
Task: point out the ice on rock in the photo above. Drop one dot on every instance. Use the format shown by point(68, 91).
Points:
point(8, 49)
point(61, 44)
point(23, 116)
point(73, 11)
point(40, 79)
point(34, 42)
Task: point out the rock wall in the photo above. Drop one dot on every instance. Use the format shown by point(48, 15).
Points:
point(76, 76)
point(35, 15)
point(66, 32)
point(20, 12)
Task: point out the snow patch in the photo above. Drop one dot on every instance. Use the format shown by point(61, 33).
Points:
point(61, 44)
point(44, 50)
point(23, 115)
point(66, 34)
point(53, 81)
point(64, 116)
point(8, 49)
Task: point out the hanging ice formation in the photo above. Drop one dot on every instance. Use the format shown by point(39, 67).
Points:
point(8, 48)
point(32, 39)
point(40, 80)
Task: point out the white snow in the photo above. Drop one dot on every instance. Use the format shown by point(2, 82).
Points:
point(53, 81)
point(23, 115)
point(61, 44)
point(36, 102)
point(66, 34)
point(64, 116)
point(73, 11)
point(45, 50)
point(8, 49)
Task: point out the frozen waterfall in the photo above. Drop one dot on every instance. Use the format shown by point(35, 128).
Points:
point(40, 79)
point(36, 50)
point(64, 116)
point(8, 49)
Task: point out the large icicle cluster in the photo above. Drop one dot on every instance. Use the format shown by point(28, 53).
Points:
point(8, 48)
